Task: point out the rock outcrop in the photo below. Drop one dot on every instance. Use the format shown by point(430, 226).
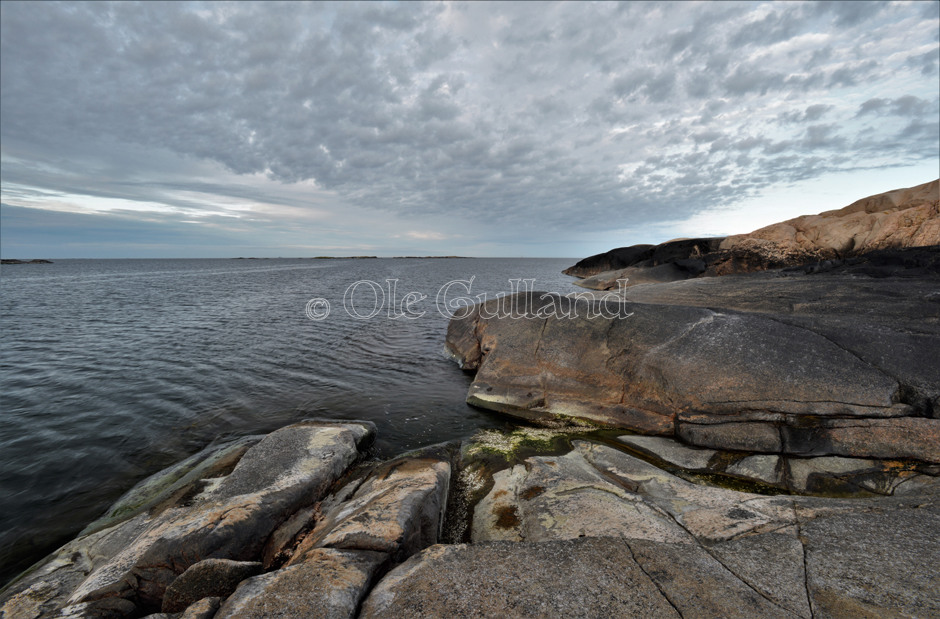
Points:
point(596, 532)
point(847, 384)
point(208, 538)
point(893, 220)
point(559, 526)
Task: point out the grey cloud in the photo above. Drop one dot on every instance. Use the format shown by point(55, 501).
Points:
point(852, 74)
point(811, 114)
point(850, 13)
point(908, 105)
point(503, 113)
point(774, 27)
point(747, 79)
point(926, 62)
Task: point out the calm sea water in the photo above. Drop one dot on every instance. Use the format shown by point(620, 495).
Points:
point(111, 370)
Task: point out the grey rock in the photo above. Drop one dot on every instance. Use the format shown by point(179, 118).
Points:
point(208, 578)
point(589, 577)
point(697, 584)
point(329, 585)
point(763, 468)
point(565, 497)
point(876, 561)
point(771, 564)
point(738, 436)
point(709, 514)
point(671, 451)
point(815, 474)
point(233, 516)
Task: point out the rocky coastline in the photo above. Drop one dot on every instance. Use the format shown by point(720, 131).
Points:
point(764, 443)
point(527, 523)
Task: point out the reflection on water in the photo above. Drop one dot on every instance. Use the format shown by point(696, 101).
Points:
point(113, 369)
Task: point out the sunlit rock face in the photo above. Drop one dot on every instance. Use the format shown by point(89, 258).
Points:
point(887, 222)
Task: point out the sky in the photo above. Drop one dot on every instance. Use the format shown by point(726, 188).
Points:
point(210, 129)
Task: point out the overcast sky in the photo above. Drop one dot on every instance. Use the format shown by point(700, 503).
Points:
point(530, 129)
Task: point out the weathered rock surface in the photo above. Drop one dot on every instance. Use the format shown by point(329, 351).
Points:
point(729, 380)
point(592, 577)
point(221, 518)
point(329, 584)
point(899, 218)
point(565, 497)
point(209, 578)
point(768, 556)
point(398, 510)
point(584, 530)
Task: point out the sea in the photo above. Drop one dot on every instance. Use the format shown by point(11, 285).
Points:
point(111, 370)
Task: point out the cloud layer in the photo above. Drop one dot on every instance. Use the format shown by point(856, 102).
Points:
point(547, 118)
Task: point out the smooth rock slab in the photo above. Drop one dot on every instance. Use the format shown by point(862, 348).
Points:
point(329, 585)
point(707, 513)
point(697, 584)
point(880, 561)
point(564, 497)
point(763, 468)
point(590, 577)
point(398, 510)
point(671, 451)
point(771, 564)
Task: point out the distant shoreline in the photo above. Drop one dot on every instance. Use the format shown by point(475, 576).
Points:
point(348, 257)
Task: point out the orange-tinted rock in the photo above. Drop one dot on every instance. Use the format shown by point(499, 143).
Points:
point(899, 218)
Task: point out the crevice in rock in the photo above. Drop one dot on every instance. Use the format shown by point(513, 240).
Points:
point(799, 537)
point(742, 580)
point(828, 339)
point(651, 579)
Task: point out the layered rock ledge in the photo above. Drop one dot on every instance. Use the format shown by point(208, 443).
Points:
point(536, 523)
point(829, 365)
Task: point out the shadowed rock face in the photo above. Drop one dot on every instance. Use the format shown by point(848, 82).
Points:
point(893, 220)
point(852, 382)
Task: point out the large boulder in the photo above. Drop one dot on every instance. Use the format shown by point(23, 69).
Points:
point(720, 379)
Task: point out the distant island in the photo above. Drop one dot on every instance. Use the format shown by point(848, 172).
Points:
point(34, 261)
point(353, 258)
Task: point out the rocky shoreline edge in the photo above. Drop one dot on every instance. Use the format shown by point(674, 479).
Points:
point(524, 523)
